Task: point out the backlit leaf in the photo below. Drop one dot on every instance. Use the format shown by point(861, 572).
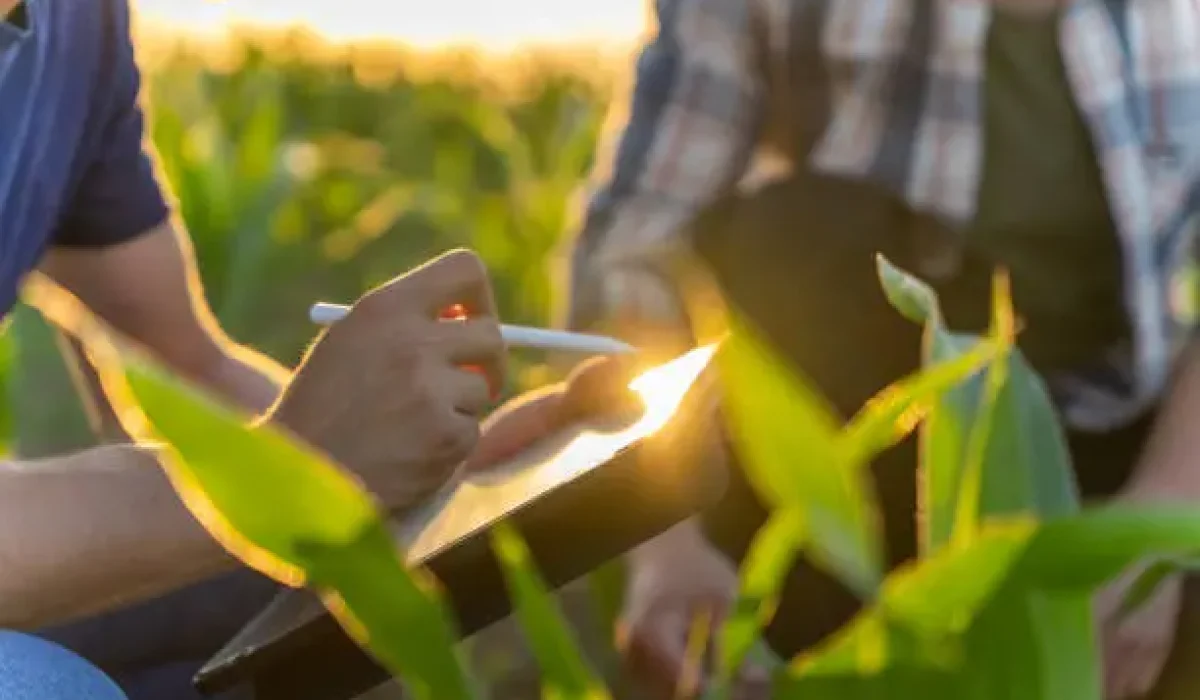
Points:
point(788, 441)
point(565, 673)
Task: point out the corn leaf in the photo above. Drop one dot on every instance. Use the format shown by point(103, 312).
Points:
point(1000, 446)
point(565, 673)
point(280, 507)
point(771, 554)
point(7, 403)
point(897, 410)
point(788, 441)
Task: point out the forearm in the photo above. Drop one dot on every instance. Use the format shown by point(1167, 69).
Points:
point(91, 531)
point(1170, 467)
point(147, 289)
point(243, 377)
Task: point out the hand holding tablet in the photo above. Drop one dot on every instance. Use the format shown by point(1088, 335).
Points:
point(581, 488)
point(598, 388)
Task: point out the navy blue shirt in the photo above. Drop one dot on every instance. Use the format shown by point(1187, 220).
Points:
point(73, 168)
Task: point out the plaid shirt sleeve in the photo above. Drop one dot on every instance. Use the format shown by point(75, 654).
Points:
point(692, 126)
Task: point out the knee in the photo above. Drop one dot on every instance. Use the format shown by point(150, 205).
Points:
point(34, 669)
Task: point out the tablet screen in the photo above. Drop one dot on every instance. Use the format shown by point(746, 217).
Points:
point(480, 499)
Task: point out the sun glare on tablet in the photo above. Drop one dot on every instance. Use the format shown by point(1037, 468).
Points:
point(662, 388)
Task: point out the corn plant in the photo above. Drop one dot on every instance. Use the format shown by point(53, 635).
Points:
point(996, 606)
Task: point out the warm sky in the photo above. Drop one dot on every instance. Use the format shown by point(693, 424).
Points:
point(492, 24)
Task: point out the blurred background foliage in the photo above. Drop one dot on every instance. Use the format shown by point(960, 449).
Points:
point(305, 171)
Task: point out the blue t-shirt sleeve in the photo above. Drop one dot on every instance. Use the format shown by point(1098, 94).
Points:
point(118, 195)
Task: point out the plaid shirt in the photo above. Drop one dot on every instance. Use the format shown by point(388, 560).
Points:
point(705, 101)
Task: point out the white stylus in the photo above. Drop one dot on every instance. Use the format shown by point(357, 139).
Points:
point(325, 314)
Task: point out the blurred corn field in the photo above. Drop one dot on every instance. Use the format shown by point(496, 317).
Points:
point(305, 171)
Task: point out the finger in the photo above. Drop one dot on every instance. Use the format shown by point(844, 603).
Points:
point(601, 386)
point(455, 278)
point(656, 653)
point(515, 427)
point(456, 440)
point(475, 342)
point(467, 392)
point(607, 369)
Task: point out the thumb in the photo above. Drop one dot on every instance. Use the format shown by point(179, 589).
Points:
point(600, 386)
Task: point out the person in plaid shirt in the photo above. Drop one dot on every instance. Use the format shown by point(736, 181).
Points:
point(1059, 139)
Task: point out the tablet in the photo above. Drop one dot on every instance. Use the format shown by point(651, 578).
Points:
point(580, 497)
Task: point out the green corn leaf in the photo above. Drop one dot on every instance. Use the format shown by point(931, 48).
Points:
point(1036, 638)
point(788, 441)
point(1146, 584)
point(1002, 446)
point(1085, 551)
point(565, 673)
point(395, 613)
point(914, 299)
point(966, 622)
point(49, 417)
point(924, 609)
point(969, 510)
point(896, 411)
point(320, 527)
point(7, 403)
point(771, 554)
point(280, 507)
point(1065, 643)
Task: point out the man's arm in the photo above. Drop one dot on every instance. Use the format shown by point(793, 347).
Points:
point(83, 533)
point(694, 118)
point(148, 289)
point(118, 251)
point(1169, 469)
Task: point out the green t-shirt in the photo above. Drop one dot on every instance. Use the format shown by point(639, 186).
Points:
point(1043, 211)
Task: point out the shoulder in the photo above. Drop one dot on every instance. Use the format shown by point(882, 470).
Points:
point(87, 39)
point(97, 29)
point(101, 54)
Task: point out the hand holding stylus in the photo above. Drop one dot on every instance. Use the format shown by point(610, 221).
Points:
point(393, 391)
point(326, 314)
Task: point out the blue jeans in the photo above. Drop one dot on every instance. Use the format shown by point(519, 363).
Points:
point(153, 649)
point(34, 669)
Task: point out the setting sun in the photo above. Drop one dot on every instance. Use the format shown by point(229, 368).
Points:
point(487, 24)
